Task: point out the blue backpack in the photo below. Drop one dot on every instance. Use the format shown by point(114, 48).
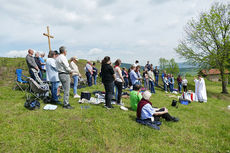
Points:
point(32, 105)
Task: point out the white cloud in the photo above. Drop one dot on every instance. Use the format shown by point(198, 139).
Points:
point(130, 30)
point(17, 53)
point(95, 51)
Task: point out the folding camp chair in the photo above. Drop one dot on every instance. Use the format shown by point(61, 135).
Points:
point(39, 91)
point(19, 81)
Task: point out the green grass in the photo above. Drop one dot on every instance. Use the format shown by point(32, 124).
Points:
point(203, 127)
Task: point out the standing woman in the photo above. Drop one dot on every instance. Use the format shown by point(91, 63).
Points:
point(94, 73)
point(75, 75)
point(118, 80)
point(125, 76)
point(108, 76)
point(179, 81)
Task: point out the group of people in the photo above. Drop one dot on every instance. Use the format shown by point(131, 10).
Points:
point(91, 73)
point(169, 81)
point(58, 72)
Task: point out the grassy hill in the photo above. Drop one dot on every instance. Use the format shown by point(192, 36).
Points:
point(203, 127)
point(9, 66)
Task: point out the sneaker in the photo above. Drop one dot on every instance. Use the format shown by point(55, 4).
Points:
point(68, 107)
point(120, 104)
point(76, 96)
point(175, 119)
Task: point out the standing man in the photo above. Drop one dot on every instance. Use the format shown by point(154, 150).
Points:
point(52, 75)
point(200, 89)
point(148, 66)
point(94, 73)
point(38, 62)
point(89, 73)
point(156, 73)
point(133, 76)
point(64, 75)
point(43, 68)
point(151, 81)
point(33, 67)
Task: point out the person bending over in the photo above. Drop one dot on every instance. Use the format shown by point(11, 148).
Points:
point(145, 110)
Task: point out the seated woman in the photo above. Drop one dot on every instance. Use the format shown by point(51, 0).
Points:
point(145, 111)
point(135, 97)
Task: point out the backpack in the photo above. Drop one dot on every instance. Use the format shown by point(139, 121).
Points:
point(32, 105)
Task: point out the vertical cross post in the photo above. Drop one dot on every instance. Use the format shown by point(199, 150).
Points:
point(49, 36)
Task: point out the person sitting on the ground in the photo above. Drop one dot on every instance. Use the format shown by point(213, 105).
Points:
point(75, 75)
point(135, 97)
point(33, 68)
point(145, 110)
point(185, 84)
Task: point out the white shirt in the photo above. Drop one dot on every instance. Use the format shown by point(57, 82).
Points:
point(184, 82)
point(75, 69)
point(51, 70)
point(116, 70)
point(62, 64)
point(151, 75)
point(88, 68)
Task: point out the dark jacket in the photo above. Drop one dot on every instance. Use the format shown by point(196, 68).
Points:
point(107, 73)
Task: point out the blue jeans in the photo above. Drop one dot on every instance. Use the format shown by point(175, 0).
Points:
point(95, 79)
point(179, 87)
point(165, 87)
point(171, 86)
point(54, 87)
point(75, 83)
point(89, 78)
point(151, 84)
point(126, 82)
point(156, 81)
point(146, 82)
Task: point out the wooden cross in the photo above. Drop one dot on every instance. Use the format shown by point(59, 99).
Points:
point(49, 36)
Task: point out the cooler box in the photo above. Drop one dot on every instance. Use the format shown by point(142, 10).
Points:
point(184, 101)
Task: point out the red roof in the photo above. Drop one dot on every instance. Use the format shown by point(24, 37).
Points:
point(213, 71)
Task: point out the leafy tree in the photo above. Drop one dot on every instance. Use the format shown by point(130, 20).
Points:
point(169, 65)
point(163, 63)
point(173, 67)
point(207, 40)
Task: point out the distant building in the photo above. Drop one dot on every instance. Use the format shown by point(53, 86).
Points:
point(213, 74)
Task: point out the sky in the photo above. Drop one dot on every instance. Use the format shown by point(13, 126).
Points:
point(130, 30)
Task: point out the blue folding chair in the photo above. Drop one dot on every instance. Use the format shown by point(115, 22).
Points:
point(19, 79)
